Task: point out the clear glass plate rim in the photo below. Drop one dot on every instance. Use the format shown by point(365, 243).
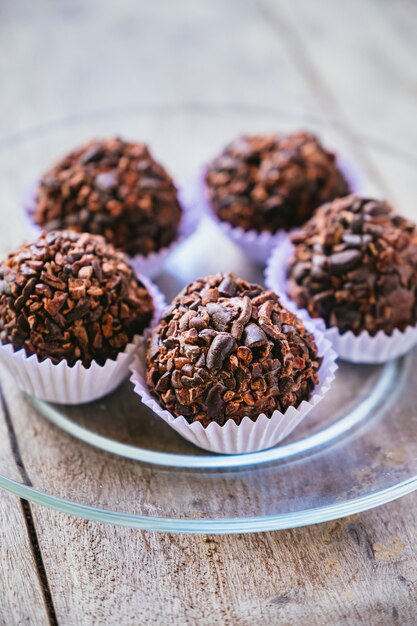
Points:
point(226, 525)
point(214, 526)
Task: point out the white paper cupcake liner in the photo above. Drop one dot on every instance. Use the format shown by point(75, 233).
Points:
point(256, 245)
point(150, 265)
point(62, 384)
point(362, 348)
point(249, 436)
point(352, 172)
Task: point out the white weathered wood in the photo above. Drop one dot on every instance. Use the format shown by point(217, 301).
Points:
point(357, 63)
point(350, 63)
point(110, 55)
point(360, 570)
point(21, 598)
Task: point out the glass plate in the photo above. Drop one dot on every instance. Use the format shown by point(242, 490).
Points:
point(114, 461)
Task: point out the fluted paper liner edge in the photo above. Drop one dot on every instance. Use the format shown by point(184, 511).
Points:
point(150, 265)
point(256, 245)
point(248, 436)
point(362, 348)
point(62, 384)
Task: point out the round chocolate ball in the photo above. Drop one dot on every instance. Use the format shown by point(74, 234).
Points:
point(225, 349)
point(272, 182)
point(355, 266)
point(111, 188)
point(70, 296)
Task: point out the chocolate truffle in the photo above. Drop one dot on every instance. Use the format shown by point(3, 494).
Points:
point(355, 266)
point(272, 182)
point(111, 188)
point(227, 348)
point(71, 296)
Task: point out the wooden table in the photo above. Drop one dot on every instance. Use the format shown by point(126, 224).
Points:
point(354, 61)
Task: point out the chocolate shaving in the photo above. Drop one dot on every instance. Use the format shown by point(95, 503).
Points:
point(220, 348)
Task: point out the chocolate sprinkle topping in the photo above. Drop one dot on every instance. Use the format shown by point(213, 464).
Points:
point(71, 296)
point(272, 182)
point(111, 188)
point(355, 265)
point(226, 348)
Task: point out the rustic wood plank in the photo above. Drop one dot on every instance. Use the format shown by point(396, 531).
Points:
point(110, 55)
point(359, 570)
point(355, 60)
point(22, 591)
point(353, 571)
point(21, 598)
point(361, 80)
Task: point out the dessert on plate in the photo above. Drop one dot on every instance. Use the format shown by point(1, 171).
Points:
point(114, 188)
point(227, 348)
point(272, 182)
point(70, 302)
point(353, 267)
point(227, 352)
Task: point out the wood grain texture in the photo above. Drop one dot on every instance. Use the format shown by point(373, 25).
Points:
point(110, 54)
point(22, 597)
point(359, 570)
point(356, 62)
point(356, 65)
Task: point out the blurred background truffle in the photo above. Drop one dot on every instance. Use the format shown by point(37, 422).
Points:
point(273, 182)
point(112, 188)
